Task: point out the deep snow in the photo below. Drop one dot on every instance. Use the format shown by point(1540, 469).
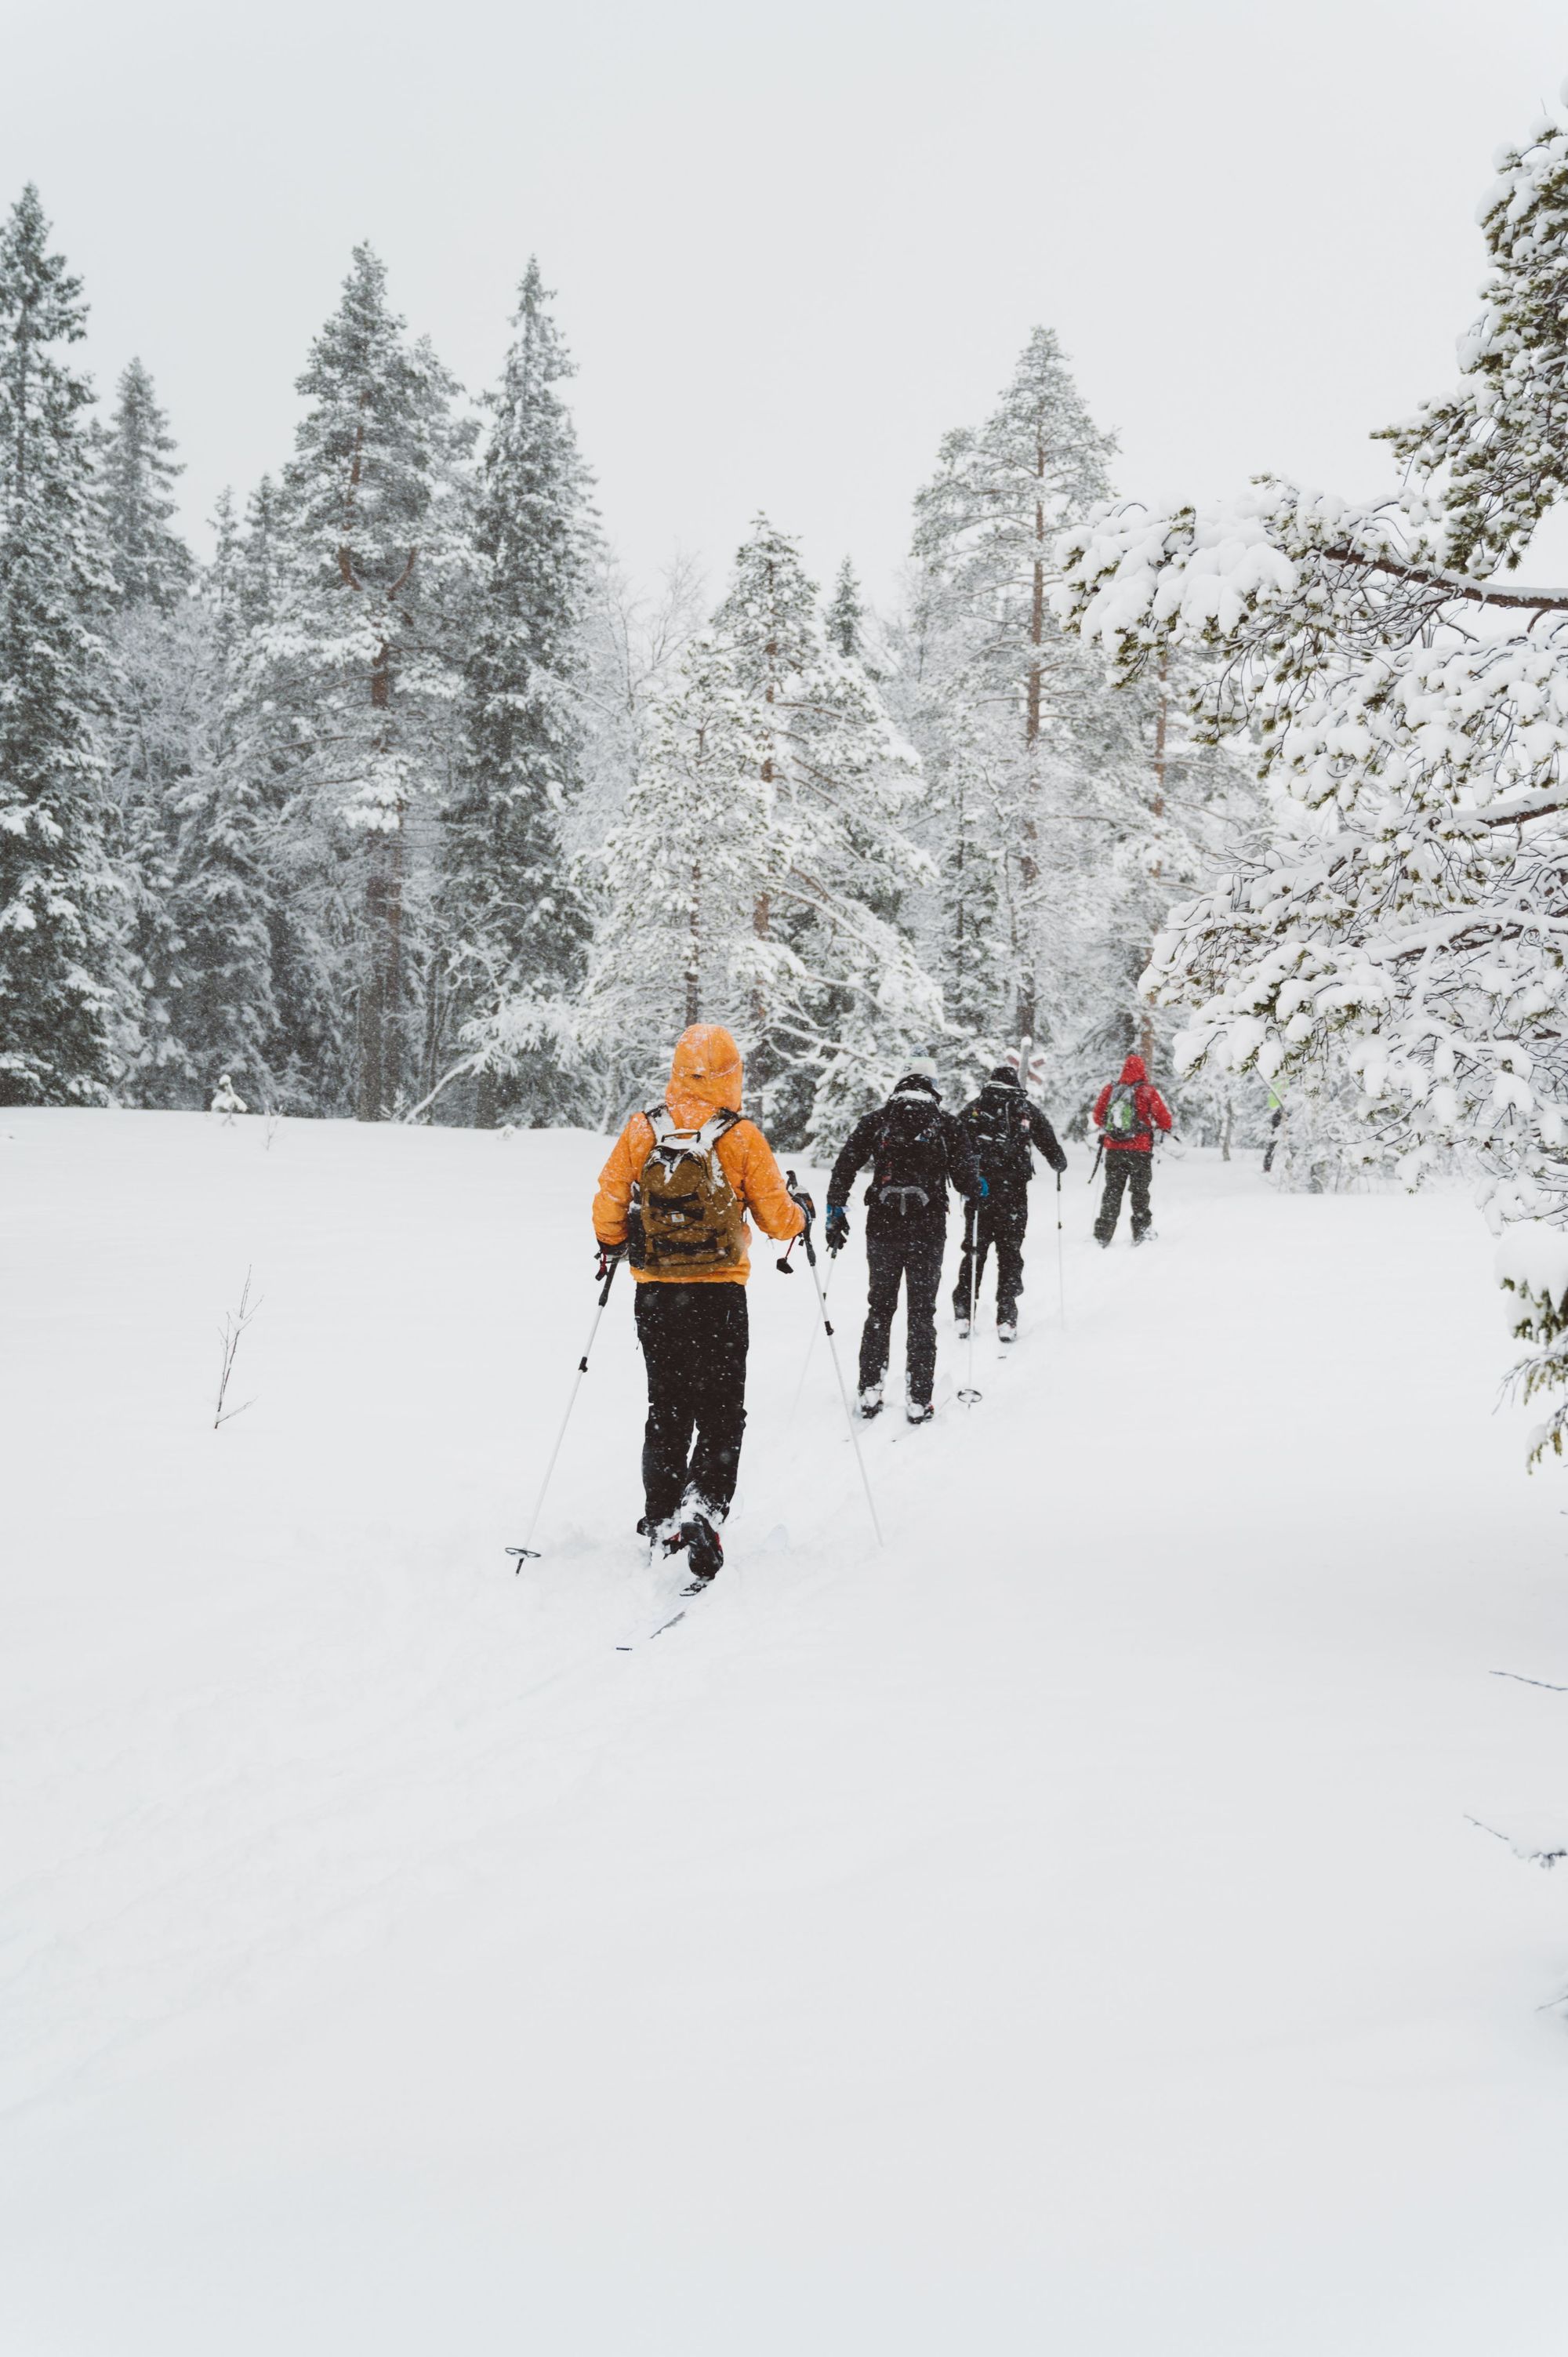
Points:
point(1063, 1931)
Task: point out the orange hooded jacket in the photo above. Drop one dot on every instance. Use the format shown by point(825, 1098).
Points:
point(706, 1074)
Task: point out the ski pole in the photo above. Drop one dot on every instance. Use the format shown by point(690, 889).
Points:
point(810, 1346)
point(832, 1353)
point(524, 1553)
point(969, 1394)
point(1061, 1273)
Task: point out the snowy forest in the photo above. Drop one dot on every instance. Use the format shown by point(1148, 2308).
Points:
point(408, 804)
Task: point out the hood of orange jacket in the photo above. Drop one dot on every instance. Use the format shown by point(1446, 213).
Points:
point(1134, 1070)
point(705, 1075)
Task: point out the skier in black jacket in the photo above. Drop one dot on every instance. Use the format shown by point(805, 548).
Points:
point(915, 1150)
point(1003, 1124)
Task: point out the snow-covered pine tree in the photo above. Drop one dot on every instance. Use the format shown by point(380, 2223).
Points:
point(844, 618)
point(358, 668)
point(514, 923)
point(137, 470)
point(56, 946)
point(1408, 922)
point(995, 691)
point(762, 864)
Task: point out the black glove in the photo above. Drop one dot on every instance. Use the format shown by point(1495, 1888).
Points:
point(608, 1255)
point(799, 1195)
point(835, 1227)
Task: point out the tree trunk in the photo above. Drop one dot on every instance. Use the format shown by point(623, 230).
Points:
point(380, 999)
point(1026, 1011)
point(695, 948)
point(761, 917)
point(1157, 805)
point(368, 1094)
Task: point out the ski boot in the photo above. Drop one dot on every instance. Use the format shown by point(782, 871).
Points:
point(918, 1412)
point(960, 1324)
point(1007, 1329)
point(664, 1539)
point(868, 1401)
point(704, 1553)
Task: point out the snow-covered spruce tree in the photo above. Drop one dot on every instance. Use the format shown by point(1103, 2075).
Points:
point(357, 676)
point(223, 909)
point(154, 732)
point(56, 946)
point(154, 737)
point(261, 863)
point(759, 872)
point(1410, 924)
point(514, 924)
point(136, 472)
point(843, 617)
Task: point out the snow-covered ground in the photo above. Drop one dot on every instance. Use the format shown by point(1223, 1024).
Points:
point(1063, 1931)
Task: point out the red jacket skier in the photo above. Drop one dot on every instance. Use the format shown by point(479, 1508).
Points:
point(1127, 1113)
point(1149, 1107)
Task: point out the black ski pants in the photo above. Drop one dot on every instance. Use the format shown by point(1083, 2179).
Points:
point(1000, 1219)
point(1125, 1167)
point(694, 1340)
point(907, 1252)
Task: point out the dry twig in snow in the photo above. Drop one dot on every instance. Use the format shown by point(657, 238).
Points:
point(234, 1324)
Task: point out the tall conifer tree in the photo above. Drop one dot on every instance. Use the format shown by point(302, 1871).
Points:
point(157, 735)
point(844, 618)
point(223, 903)
point(517, 927)
point(137, 472)
point(354, 674)
point(55, 947)
point(985, 527)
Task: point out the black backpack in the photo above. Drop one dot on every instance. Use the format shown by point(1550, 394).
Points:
point(998, 1126)
point(909, 1174)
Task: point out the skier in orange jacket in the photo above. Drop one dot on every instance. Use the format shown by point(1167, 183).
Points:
point(677, 1189)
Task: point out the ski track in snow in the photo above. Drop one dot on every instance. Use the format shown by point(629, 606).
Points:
point(1066, 1923)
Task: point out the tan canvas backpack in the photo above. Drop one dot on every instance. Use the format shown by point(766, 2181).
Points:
point(690, 1221)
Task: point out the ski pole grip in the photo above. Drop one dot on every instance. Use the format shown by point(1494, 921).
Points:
point(790, 1184)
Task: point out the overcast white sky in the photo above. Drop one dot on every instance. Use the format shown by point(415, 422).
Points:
point(793, 243)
